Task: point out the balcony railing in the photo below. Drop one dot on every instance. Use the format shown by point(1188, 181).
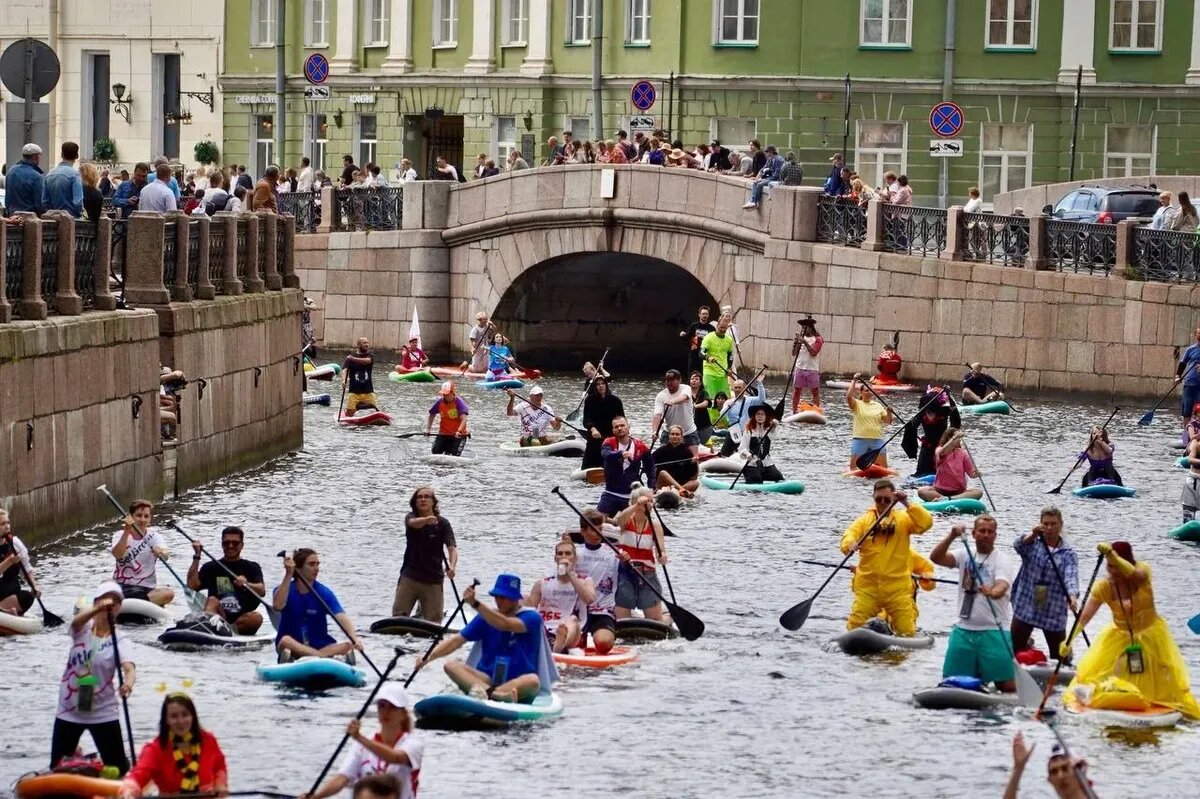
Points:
point(841, 221)
point(994, 239)
point(913, 230)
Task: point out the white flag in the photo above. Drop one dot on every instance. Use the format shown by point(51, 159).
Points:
point(414, 330)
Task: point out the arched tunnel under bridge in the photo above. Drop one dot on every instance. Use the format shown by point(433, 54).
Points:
point(567, 310)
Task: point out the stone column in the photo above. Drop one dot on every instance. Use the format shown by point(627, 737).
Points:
point(144, 259)
point(537, 54)
point(290, 279)
point(31, 305)
point(66, 301)
point(1078, 41)
point(805, 228)
point(272, 278)
point(5, 307)
point(399, 57)
point(230, 282)
point(874, 238)
point(104, 300)
point(254, 282)
point(1193, 73)
point(328, 210)
point(180, 290)
point(1037, 243)
point(954, 233)
point(482, 60)
point(1125, 232)
point(205, 290)
point(346, 23)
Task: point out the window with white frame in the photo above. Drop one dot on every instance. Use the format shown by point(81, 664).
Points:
point(734, 134)
point(1136, 25)
point(1012, 23)
point(880, 148)
point(637, 21)
point(445, 23)
point(736, 21)
point(507, 138)
point(515, 25)
point(316, 23)
point(368, 140)
point(1129, 150)
point(318, 136)
point(264, 143)
point(375, 23)
point(1005, 158)
point(579, 21)
point(886, 23)
point(262, 23)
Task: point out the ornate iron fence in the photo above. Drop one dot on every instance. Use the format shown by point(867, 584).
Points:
point(1081, 246)
point(1171, 256)
point(374, 208)
point(260, 268)
point(193, 276)
point(841, 221)
point(14, 263)
point(280, 247)
point(995, 239)
point(116, 265)
point(914, 230)
point(168, 270)
point(303, 206)
point(49, 261)
point(85, 261)
point(216, 253)
point(242, 255)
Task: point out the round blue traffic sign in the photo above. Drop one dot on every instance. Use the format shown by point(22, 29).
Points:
point(643, 95)
point(946, 119)
point(316, 68)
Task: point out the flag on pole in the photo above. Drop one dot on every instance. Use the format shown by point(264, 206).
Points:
point(414, 330)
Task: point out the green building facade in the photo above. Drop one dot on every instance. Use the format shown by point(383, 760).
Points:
point(421, 78)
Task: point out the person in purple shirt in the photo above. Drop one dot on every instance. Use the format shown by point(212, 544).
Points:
point(452, 425)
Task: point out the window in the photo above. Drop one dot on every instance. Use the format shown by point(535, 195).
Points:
point(637, 22)
point(516, 23)
point(262, 23)
point(736, 21)
point(579, 21)
point(445, 23)
point(1012, 23)
point(264, 143)
point(318, 137)
point(507, 138)
point(368, 141)
point(886, 23)
point(1005, 159)
point(375, 23)
point(880, 148)
point(1136, 25)
point(1129, 150)
point(733, 133)
point(316, 23)
point(580, 127)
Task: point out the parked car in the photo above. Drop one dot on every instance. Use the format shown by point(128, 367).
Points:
point(1105, 204)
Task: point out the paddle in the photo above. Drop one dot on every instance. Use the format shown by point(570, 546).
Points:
point(576, 416)
point(1194, 624)
point(194, 600)
point(1054, 678)
point(658, 549)
point(766, 438)
point(48, 618)
point(475, 347)
point(426, 433)
point(865, 460)
point(979, 474)
point(513, 362)
point(867, 385)
point(454, 588)
point(1077, 768)
point(1091, 440)
point(794, 617)
point(690, 626)
point(342, 401)
point(1011, 407)
point(915, 576)
point(707, 432)
point(1028, 693)
point(578, 430)
point(112, 630)
point(783, 399)
point(1063, 583)
point(1148, 416)
point(283, 555)
point(272, 614)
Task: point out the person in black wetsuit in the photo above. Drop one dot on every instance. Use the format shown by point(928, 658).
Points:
point(922, 433)
point(676, 465)
point(357, 378)
point(700, 402)
point(599, 410)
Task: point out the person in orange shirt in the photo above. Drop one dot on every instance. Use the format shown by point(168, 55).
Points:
point(184, 758)
point(452, 414)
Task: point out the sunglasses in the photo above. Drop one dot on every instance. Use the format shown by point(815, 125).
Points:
point(231, 543)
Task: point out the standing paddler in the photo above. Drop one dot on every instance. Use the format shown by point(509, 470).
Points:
point(923, 431)
point(477, 337)
point(625, 459)
point(1046, 585)
point(716, 350)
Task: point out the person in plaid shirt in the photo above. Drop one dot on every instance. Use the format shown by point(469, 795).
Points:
point(1047, 584)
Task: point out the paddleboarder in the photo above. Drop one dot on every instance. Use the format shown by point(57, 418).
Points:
point(412, 357)
point(641, 538)
point(1099, 455)
point(13, 556)
point(625, 459)
point(674, 407)
point(562, 599)
point(695, 333)
point(1191, 483)
point(1046, 585)
point(500, 359)
point(755, 448)
point(137, 549)
point(676, 464)
point(979, 387)
point(806, 368)
point(923, 432)
point(303, 623)
point(537, 418)
point(888, 364)
point(977, 646)
point(1065, 773)
point(869, 417)
point(357, 378)
point(451, 412)
point(183, 758)
point(1187, 371)
point(921, 570)
point(477, 337)
point(954, 466)
point(716, 350)
point(600, 408)
point(234, 599)
point(430, 556)
point(599, 564)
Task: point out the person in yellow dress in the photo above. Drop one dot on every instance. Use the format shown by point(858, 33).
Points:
point(884, 574)
point(1136, 633)
point(921, 570)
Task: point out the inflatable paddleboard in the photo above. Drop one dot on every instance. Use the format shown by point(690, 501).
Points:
point(872, 472)
point(589, 658)
point(1104, 491)
point(419, 376)
point(641, 629)
point(996, 406)
point(865, 641)
point(947, 698)
point(1154, 717)
point(313, 674)
point(143, 611)
point(318, 399)
point(510, 382)
point(454, 709)
point(882, 388)
point(567, 447)
point(1042, 672)
point(177, 640)
point(912, 481)
point(719, 465)
point(448, 460)
point(725, 483)
point(959, 505)
point(456, 372)
point(1186, 532)
point(593, 476)
point(326, 372)
point(28, 624)
point(409, 625)
point(808, 414)
point(363, 419)
point(60, 785)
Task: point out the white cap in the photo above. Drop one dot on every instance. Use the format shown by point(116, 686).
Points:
point(31, 149)
point(535, 391)
point(107, 588)
point(394, 694)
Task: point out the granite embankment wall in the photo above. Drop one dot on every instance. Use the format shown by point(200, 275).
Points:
point(79, 388)
point(467, 247)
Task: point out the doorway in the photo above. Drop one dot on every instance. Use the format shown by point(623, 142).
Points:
point(439, 136)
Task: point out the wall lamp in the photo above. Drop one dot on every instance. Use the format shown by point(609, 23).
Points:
point(121, 101)
point(337, 118)
point(204, 97)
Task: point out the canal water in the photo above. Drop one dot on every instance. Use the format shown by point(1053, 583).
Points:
point(747, 710)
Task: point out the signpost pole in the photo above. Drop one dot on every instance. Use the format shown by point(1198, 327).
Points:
point(280, 86)
point(1075, 121)
point(846, 120)
point(597, 70)
point(28, 93)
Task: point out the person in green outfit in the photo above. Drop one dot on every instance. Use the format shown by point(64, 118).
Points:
point(717, 350)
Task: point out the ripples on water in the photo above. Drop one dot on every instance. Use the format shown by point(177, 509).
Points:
point(748, 710)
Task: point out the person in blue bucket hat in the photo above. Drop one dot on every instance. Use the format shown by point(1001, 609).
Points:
point(510, 660)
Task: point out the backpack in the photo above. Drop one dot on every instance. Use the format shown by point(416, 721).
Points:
point(630, 152)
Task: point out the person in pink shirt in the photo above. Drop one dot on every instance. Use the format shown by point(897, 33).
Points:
point(954, 465)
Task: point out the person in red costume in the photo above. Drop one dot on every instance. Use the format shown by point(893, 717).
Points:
point(888, 364)
point(183, 758)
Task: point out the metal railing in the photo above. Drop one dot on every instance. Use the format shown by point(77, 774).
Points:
point(1081, 246)
point(242, 256)
point(914, 230)
point(216, 254)
point(841, 221)
point(49, 261)
point(260, 268)
point(14, 262)
point(995, 239)
point(85, 261)
point(1171, 256)
point(169, 253)
point(193, 249)
point(280, 247)
point(303, 206)
point(374, 208)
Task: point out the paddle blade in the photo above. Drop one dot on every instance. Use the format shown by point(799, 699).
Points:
point(1194, 624)
point(575, 416)
point(1056, 490)
point(689, 625)
point(1028, 693)
point(794, 617)
point(779, 408)
point(866, 460)
point(50, 620)
point(1146, 419)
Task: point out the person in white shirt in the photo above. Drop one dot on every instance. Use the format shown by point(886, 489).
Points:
point(673, 406)
point(407, 173)
point(562, 599)
point(537, 418)
point(136, 549)
point(156, 195)
point(974, 201)
point(305, 180)
point(238, 202)
point(446, 171)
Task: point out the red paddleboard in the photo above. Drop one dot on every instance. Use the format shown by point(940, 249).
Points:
point(374, 417)
point(874, 471)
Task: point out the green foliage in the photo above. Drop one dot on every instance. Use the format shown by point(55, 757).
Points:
point(105, 149)
point(206, 152)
